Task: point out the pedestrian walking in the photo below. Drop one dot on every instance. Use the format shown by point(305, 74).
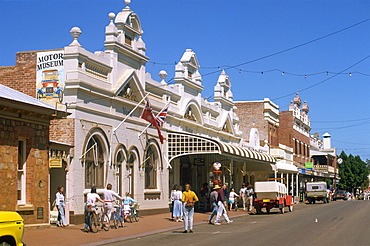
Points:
point(188, 198)
point(243, 196)
point(249, 194)
point(232, 196)
point(221, 207)
point(91, 198)
point(204, 196)
point(213, 199)
point(60, 203)
point(176, 196)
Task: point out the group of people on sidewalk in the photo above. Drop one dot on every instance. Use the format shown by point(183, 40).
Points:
point(109, 196)
point(183, 204)
point(219, 202)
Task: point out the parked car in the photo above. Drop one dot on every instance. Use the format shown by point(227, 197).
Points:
point(11, 228)
point(340, 194)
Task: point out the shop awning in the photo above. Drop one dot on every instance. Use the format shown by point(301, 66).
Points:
point(284, 167)
point(245, 153)
point(180, 144)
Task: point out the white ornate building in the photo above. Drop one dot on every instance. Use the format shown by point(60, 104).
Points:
point(105, 92)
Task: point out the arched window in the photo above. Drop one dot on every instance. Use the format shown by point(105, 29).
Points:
point(94, 163)
point(132, 162)
point(151, 166)
point(119, 161)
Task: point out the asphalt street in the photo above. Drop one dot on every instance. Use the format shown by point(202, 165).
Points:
point(335, 223)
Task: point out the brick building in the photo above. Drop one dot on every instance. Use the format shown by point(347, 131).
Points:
point(295, 130)
point(24, 155)
point(262, 118)
point(262, 115)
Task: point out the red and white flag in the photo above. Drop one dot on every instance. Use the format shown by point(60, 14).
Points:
point(148, 116)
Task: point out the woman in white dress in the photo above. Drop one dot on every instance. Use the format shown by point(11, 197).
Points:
point(177, 204)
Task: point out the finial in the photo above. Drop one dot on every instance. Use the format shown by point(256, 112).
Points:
point(162, 74)
point(75, 33)
point(111, 16)
point(127, 2)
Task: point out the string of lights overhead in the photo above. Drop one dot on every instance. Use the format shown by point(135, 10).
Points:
point(278, 71)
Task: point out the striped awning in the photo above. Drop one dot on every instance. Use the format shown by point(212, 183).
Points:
point(245, 153)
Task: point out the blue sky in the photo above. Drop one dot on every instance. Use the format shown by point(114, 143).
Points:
point(266, 36)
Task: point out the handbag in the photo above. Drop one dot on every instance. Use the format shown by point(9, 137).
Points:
point(190, 202)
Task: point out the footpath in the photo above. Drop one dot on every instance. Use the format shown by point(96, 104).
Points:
point(74, 235)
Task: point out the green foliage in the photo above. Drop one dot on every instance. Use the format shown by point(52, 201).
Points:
point(353, 172)
point(329, 182)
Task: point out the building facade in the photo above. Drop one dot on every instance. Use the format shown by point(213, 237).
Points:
point(24, 155)
point(263, 117)
point(105, 140)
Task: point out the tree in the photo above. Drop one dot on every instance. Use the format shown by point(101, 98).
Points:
point(353, 172)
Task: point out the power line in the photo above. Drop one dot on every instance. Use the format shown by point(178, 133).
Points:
point(349, 142)
point(294, 47)
point(348, 126)
point(335, 121)
point(335, 75)
point(285, 50)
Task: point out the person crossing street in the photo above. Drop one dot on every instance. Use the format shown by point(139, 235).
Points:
point(221, 207)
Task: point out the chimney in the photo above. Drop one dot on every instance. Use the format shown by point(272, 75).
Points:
point(327, 141)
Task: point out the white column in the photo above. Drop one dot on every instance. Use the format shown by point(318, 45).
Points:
point(287, 183)
point(297, 184)
point(281, 176)
point(292, 184)
point(231, 174)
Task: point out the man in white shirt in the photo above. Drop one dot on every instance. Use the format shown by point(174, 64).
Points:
point(109, 198)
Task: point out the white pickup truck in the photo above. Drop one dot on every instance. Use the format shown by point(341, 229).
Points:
point(317, 191)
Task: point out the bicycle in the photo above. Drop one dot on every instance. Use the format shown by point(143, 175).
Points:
point(94, 219)
point(135, 213)
point(117, 216)
point(103, 219)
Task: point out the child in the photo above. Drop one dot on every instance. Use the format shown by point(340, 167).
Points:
point(232, 197)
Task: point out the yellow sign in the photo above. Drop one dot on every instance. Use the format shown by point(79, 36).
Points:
point(55, 163)
point(266, 200)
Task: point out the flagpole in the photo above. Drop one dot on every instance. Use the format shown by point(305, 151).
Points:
point(150, 123)
point(115, 129)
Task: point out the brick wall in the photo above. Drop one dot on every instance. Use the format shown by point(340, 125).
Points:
point(22, 76)
point(251, 116)
point(62, 130)
point(287, 135)
point(286, 128)
point(37, 186)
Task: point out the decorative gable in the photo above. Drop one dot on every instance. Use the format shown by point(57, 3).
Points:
point(128, 86)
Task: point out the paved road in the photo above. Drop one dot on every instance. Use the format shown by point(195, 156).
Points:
point(336, 223)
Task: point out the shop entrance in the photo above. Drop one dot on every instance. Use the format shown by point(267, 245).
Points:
point(185, 171)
